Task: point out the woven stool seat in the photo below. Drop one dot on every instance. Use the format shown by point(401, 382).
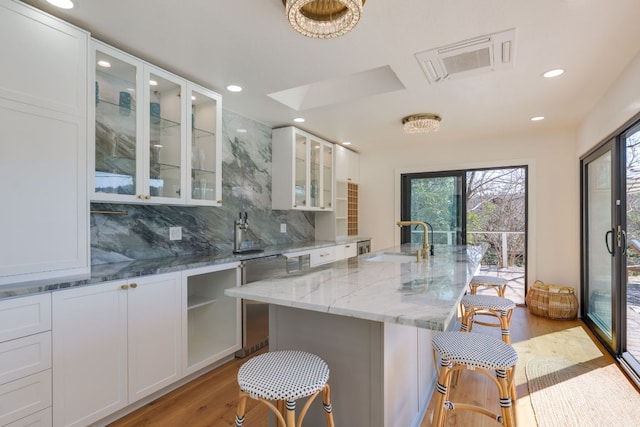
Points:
point(472, 349)
point(283, 375)
point(497, 283)
point(279, 378)
point(488, 302)
point(478, 353)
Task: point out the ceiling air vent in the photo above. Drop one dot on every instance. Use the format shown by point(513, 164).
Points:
point(469, 57)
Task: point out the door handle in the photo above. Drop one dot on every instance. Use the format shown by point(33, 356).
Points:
point(606, 241)
point(622, 240)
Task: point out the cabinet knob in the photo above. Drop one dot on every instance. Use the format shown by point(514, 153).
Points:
point(140, 196)
point(124, 287)
point(218, 201)
point(134, 285)
point(147, 197)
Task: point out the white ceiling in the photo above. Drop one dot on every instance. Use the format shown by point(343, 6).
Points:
point(249, 42)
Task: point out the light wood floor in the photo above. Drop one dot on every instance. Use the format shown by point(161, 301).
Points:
point(211, 399)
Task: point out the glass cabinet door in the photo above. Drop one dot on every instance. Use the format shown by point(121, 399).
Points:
point(117, 125)
point(204, 180)
point(300, 159)
point(315, 156)
point(327, 176)
point(164, 127)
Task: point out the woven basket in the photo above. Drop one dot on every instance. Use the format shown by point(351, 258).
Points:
point(552, 301)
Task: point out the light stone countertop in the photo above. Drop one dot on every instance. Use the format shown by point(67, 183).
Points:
point(379, 286)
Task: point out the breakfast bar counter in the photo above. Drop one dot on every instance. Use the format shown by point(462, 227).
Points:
point(371, 318)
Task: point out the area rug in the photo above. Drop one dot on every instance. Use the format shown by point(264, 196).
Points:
point(567, 394)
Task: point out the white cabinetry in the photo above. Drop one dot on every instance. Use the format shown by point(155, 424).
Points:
point(113, 344)
point(211, 320)
point(302, 171)
point(156, 136)
point(342, 221)
point(346, 250)
point(43, 134)
point(25, 360)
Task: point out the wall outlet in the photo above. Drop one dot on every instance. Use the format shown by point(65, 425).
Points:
point(175, 233)
point(283, 228)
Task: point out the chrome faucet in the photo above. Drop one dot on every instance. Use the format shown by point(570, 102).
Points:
point(240, 226)
point(423, 253)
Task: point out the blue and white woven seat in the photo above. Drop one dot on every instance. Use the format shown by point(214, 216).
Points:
point(480, 353)
point(501, 308)
point(497, 283)
point(284, 377)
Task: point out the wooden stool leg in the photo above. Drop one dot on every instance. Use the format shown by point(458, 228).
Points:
point(242, 402)
point(291, 413)
point(501, 290)
point(505, 326)
point(506, 402)
point(326, 404)
point(442, 390)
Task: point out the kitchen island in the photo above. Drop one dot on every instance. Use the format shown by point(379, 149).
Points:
point(371, 318)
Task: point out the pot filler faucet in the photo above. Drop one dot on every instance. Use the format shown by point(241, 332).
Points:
point(240, 227)
point(425, 239)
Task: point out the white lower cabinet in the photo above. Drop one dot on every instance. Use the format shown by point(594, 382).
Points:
point(211, 320)
point(25, 359)
point(114, 343)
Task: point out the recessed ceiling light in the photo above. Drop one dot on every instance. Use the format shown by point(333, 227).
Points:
point(103, 63)
point(241, 130)
point(193, 97)
point(537, 118)
point(62, 4)
point(346, 143)
point(153, 83)
point(234, 88)
point(553, 73)
point(298, 120)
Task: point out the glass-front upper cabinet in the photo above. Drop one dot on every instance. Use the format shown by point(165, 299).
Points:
point(118, 125)
point(302, 173)
point(204, 180)
point(156, 135)
point(165, 134)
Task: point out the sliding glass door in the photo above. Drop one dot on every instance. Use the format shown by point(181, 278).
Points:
point(602, 246)
point(611, 245)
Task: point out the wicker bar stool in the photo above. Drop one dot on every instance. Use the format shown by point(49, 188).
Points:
point(501, 308)
point(479, 353)
point(278, 379)
point(497, 283)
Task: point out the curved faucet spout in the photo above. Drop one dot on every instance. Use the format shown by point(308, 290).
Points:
point(425, 238)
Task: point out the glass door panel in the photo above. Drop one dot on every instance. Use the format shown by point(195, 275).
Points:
point(314, 173)
point(631, 304)
point(115, 125)
point(300, 160)
point(600, 245)
point(438, 200)
point(327, 176)
point(203, 149)
point(165, 134)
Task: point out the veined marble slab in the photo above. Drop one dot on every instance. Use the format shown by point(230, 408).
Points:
point(424, 294)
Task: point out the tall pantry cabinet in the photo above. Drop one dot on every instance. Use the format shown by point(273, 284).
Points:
point(43, 138)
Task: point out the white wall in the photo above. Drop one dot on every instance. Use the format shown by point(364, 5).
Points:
point(618, 105)
point(553, 191)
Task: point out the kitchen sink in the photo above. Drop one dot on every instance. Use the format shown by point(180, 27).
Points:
point(391, 257)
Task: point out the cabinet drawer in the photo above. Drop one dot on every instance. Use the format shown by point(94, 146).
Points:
point(350, 250)
point(24, 356)
point(24, 316)
point(39, 419)
point(323, 256)
point(25, 396)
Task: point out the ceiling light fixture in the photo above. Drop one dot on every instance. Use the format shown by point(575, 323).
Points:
point(537, 118)
point(421, 123)
point(553, 73)
point(153, 83)
point(104, 64)
point(346, 143)
point(298, 120)
point(234, 88)
point(323, 19)
point(62, 4)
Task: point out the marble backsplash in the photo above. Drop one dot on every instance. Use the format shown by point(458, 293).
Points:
point(246, 187)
